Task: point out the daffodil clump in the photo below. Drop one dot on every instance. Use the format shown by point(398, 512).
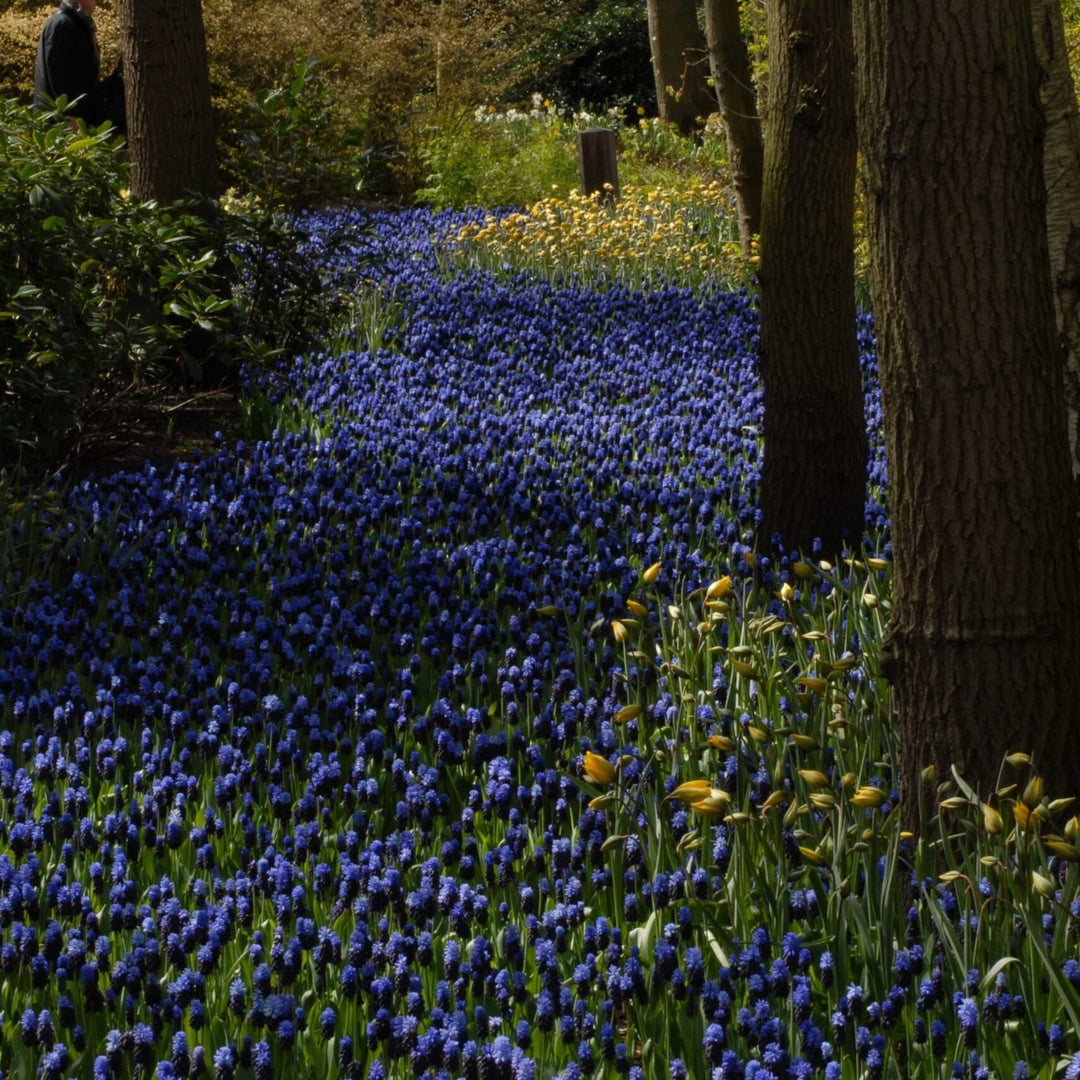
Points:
point(449, 728)
point(677, 236)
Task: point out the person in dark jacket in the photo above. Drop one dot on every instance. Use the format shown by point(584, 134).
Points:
point(69, 63)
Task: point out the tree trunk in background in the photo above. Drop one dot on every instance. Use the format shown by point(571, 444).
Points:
point(170, 123)
point(730, 66)
point(1061, 164)
point(813, 483)
point(680, 63)
point(985, 625)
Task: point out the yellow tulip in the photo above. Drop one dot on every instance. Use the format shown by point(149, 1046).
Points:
point(690, 791)
point(719, 589)
point(869, 797)
point(992, 822)
point(597, 768)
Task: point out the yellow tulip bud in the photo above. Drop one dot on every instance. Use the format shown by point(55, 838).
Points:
point(992, 822)
point(690, 791)
point(1043, 885)
point(719, 589)
point(598, 768)
point(869, 797)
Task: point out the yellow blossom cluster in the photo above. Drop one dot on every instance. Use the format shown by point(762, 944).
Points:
point(683, 237)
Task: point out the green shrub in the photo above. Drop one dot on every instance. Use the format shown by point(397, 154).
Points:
point(95, 289)
point(282, 161)
point(487, 158)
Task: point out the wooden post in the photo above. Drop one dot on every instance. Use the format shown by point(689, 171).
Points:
point(599, 168)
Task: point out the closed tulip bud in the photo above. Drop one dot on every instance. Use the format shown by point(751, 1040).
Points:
point(690, 791)
point(649, 575)
point(1062, 848)
point(1033, 793)
point(992, 822)
point(1043, 885)
point(598, 769)
point(719, 589)
point(713, 805)
point(869, 797)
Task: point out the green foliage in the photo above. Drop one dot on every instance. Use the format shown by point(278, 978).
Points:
point(95, 288)
point(282, 160)
point(485, 157)
point(598, 59)
point(489, 158)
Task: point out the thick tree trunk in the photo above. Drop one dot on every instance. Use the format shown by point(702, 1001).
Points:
point(813, 483)
point(730, 66)
point(1061, 164)
point(680, 63)
point(985, 627)
point(170, 123)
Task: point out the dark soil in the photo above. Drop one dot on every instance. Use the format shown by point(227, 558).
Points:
point(156, 424)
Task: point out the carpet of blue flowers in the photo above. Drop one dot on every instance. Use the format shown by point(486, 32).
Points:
point(293, 736)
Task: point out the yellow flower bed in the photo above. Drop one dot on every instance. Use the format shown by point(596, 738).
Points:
point(685, 237)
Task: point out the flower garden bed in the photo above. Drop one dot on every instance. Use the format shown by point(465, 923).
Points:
point(453, 730)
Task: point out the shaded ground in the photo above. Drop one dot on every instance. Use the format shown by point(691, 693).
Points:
point(148, 423)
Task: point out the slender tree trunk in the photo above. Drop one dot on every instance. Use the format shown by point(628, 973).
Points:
point(1061, 165)
point(985, 627)
point(813, 483)
point(680, 63)
point(170, 123)
point(730, 66)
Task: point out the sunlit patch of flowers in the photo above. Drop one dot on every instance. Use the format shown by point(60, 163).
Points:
point(646, 237)
point(453, 730)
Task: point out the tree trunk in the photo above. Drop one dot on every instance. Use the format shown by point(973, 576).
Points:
point(730, 66)
point(813, 483)
point(985, 626)
point(1061, 165)
point(170, 123)
point(680, 66)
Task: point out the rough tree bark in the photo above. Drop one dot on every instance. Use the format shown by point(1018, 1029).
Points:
point(680, 63)
point(813, 483)
point(730, 66)
point(1061, 165)
point(985, 623)
point(170, 123)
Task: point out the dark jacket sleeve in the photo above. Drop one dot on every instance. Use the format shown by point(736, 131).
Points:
point(67, 65)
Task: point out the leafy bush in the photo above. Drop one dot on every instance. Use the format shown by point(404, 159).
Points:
point(94, 288)
point(283, 160)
